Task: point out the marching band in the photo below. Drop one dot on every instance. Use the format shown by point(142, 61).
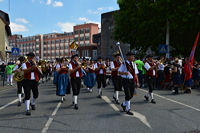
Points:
point(69, 75)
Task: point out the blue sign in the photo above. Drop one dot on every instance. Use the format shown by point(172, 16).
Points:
point(163, 49)
point(15, 51)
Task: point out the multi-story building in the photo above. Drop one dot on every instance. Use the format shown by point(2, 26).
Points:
point(56, 45)
point(107, 45)
point(5, 32)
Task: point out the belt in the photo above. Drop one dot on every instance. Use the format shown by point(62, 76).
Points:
point(128, 79)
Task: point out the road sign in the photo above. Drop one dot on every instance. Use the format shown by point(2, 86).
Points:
point(15, 51)
point(163, 49)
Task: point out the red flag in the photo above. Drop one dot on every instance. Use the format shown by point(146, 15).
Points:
point(191, 59)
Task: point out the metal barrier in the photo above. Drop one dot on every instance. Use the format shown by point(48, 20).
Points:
point(2, 77)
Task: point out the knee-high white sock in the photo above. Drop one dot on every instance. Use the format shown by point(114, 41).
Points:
point(62, 98)
point(22, 90)
point(117, 95)
point(27, 104)
point(99, 91)
point(151, 95)
point(75, 99)
point(33, 101)
point(19, 97)
point(128, 105)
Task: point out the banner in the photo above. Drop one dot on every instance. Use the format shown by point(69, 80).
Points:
point(191, 58)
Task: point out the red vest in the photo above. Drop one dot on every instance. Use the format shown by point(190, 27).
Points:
point(104, 69)
point(73, 75)
point(115, 73)
point(150, 72)
point(90, 70)
point(28, 74)
point(63, 70)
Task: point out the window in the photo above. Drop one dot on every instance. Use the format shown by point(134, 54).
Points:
point(49, 48)
point(66, 40)
point(30, 44)
point(87, 30)
point(81, 31)
point(82, 38)
point(52, 54)
point(45, 43)
point(44, 48)
point(52, 42)
point(66, 47)
point(49, 42)
point(57, 41)
point(52, 48)
point(57, 54)
point(76, 38)
point(44, 54)
point(61, 41)
point(76, 32)
point(57, 47)
point(87, 38)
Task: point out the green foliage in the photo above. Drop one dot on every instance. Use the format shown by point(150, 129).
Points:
point(142, 23)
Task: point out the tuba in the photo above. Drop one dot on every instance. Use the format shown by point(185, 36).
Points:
point(19, 76)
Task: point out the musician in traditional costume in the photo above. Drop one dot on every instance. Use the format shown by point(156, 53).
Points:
point(20, 90)
point(188, 75)
point(49, 70)
point(116, 78)
point(76, 75)
point(30, 82)
point(63, 84)
point(176, 77)
point(100, 71)
point(128, 72)
point(150, 67)
point(108, 71)
point(90, 77)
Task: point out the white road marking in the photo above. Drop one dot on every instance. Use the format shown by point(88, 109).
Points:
point(141, 117)
point(47, 125)
point(173, 101)
point(14, 101)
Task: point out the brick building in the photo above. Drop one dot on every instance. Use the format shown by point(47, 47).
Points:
point(56, 45)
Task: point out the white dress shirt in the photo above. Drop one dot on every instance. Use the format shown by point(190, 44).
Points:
point(124, 69)
point(96, 66)
point(70, 68)
point(32, 73)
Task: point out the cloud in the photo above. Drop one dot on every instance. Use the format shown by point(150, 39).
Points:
point(55, 31)
point(110, 8)
point(82, 19)
point(92, 12)
point(66, 27)
point(100, 8)
point(17, 27)
point(1, 0)
point(23, 20)
point(57, 4)
point(49, 2)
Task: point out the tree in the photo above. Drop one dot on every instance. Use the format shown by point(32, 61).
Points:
point(142, 23)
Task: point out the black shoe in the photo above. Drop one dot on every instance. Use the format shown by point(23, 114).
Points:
point(123, 107)
point(117, 102)
point(19, 103)
point(72, 103)
point(61, 101)
point(152, 101)
point(114, 98)
point(187, 91)
point(175, 93)
point(99, 96)
point(22, 95)
point(129, 112)
point(23, 100)
point(76, 106)
point(147, 98)
point(28, 112)
point(33, 107)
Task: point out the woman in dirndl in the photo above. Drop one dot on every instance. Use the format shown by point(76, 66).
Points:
point(63, 85)
point(55, 73)
point(176, 77)
point(90, 77)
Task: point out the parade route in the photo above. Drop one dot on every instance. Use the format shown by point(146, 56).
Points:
point(170, 114)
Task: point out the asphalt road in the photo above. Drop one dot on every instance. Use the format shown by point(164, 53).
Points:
point(171, 114)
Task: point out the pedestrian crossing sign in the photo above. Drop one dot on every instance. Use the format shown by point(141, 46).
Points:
point(163, 48)
point(15, 51)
